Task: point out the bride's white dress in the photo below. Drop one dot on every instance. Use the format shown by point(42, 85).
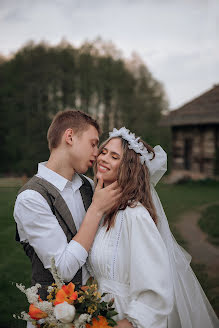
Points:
point(143, 268)
point(130, 262)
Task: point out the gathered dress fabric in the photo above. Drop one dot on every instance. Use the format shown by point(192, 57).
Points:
point(130, 263)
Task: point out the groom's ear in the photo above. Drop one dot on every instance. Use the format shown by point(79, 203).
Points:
point(69, 136)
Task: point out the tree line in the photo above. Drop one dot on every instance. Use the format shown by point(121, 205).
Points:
point(39, 80)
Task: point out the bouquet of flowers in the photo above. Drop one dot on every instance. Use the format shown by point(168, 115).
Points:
point(67, 308)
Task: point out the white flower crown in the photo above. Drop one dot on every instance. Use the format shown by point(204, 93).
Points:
point(134, 143)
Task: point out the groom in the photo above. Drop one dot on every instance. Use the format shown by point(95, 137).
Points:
point(50, 209)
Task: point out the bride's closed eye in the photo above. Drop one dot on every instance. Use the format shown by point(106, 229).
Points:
point(104, 152)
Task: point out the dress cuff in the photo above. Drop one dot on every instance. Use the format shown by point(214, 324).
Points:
point(140, 315)
point(78, 251)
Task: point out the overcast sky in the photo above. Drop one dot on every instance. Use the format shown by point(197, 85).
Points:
point(177, 39)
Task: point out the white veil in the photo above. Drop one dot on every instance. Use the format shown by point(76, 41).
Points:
point(191, 307)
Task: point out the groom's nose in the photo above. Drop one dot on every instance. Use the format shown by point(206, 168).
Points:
point(95, 152)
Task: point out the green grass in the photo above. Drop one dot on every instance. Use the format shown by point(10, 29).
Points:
point(210, 286)
point(15, 266)
point(180, 198)
point(184, 197)
point(12, 182)
point(209, 223)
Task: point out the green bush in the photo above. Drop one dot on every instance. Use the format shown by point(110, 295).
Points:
point(209, 223)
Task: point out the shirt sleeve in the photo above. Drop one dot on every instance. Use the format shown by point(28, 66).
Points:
point(150, 279)
point(37, 225)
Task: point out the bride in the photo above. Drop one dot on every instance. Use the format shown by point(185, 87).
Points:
point(134, 257)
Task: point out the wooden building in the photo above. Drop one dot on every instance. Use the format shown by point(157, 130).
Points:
point(195, 135)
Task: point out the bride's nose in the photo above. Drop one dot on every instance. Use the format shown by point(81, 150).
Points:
point(104, 158)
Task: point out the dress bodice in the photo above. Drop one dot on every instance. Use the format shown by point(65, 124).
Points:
point(105, 252)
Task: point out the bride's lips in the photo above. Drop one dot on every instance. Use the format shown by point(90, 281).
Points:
point(102, 168)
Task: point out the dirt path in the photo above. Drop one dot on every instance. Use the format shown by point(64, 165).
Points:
point(200, 249)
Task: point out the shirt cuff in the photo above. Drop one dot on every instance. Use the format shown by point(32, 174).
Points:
point(78, 251)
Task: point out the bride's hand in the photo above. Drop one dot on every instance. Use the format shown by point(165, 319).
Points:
point(124, 323)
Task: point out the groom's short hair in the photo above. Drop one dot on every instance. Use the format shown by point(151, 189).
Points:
point(76, 120)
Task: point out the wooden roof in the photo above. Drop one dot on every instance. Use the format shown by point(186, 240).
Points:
point(202, 110)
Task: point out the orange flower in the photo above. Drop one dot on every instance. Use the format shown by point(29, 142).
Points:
point(102, 323)
point(84, 288)
point(40, 299)
point(66, 294)
point(36, 313)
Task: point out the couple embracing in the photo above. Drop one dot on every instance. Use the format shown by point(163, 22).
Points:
point(114, 230)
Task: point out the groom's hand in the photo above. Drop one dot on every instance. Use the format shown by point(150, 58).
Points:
point(106, 198)
point(103, 200)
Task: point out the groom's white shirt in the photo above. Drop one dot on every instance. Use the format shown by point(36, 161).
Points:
point(37, 224)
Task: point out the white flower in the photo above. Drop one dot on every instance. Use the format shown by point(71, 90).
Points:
point(59, 282)
point(49, 289)
point(133, 143)
point(31, 293)
point(24, 316)
point(45, 306)
point(82, 320)
point(64, 312)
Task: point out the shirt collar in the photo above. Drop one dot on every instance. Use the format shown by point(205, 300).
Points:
point(58, 180)
point(76, 182)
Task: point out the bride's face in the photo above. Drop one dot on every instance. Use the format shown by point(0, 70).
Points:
point(109, 160)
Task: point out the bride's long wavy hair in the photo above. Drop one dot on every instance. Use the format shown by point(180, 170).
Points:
point(134, 180)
